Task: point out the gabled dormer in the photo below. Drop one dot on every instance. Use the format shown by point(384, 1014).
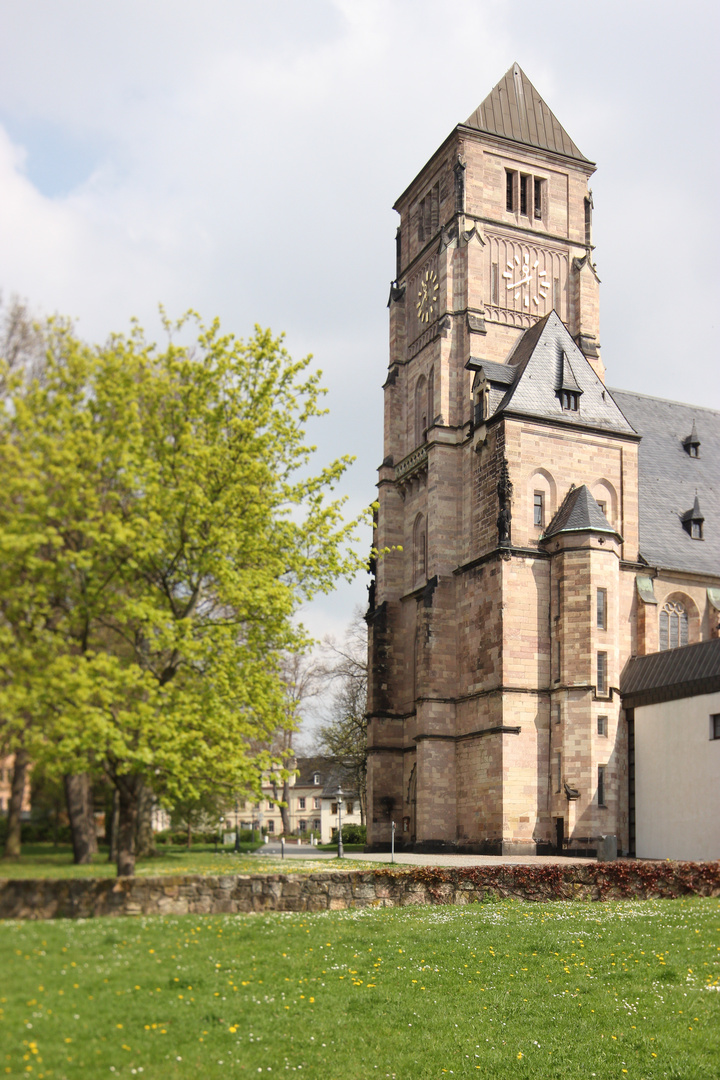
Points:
point(693, 520)
point(489, 387)
point(569, 390)
point(692, 443)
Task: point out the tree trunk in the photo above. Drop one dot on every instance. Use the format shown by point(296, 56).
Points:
point(285, 809)
point(112, 825)
point(90, 815)
point(82, 824)
point(127, 825)
point(13, 843)
point(189, 834)
point(145, 839)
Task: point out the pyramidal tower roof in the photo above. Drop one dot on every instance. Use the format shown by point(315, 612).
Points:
point(579, 512)
point(514, 110)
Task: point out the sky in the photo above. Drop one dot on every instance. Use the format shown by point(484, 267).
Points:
point(242, 158)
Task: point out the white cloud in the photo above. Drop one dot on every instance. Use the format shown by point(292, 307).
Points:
point(243, 159)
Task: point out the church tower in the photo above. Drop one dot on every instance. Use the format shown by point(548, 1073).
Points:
point(507, 505)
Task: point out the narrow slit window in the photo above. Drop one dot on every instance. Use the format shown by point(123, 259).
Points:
point(479, 409)
point(602, 725)
point(537, 199)
point(510, 191)
point(494, 284)
point(538, 508)
point(601, 785)
point(524, 185)
point(602, 609)
point(558, 771)
point(715, 726)
point(602, 673)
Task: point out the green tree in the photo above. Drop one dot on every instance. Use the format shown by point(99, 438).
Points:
point(159, 528)
point(343, 733)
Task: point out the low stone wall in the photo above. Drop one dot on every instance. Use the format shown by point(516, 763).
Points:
point(87, 898)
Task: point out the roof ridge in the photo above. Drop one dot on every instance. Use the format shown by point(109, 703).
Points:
point(666, 401)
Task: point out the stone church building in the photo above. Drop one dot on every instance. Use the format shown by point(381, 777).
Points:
point(542, 529)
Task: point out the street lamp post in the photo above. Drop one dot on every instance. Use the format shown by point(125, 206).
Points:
point(339, 796)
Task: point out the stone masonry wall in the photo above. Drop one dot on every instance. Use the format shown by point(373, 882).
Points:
point(241, 894)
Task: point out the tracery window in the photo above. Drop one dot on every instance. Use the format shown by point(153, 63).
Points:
point(673, 625)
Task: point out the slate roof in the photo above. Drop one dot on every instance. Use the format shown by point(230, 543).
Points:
point(579, 512)
point(496, 373)
point(674, 673)
point(514, 110)
point(670, 480)
point(308, 766)
point(331, 773)
point(540, 359)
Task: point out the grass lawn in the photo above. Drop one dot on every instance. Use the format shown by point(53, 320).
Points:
point(497, 990)
point(346, 847)
point(44, 860)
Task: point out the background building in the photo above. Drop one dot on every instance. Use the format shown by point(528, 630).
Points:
point(312, 801)
point(542, 528)
point(672, 704)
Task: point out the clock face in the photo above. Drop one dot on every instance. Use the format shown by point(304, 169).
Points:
point(427, 297)
point(526, 283)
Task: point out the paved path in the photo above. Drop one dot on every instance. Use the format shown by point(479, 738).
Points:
point(407, 858)
point(274, 851)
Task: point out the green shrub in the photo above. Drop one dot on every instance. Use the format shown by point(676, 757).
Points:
point(36, 832)
point(351, 834)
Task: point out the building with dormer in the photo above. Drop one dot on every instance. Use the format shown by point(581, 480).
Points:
point(542, 529)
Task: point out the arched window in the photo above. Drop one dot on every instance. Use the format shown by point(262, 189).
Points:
point(673, 625)
point(421, 413)
point(431, 397)
point(419, 550)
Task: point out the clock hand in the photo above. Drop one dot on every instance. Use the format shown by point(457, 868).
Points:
point(519, 283)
